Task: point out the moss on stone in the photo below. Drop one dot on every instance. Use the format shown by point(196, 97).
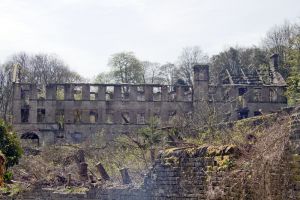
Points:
point(191, 151)
point(213, 151)
point(171, 161)
point(221, 150)
point(223, 162)
point(221, 155)
point(170, 150)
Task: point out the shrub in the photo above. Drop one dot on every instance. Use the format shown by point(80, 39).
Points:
point(8, 176)
point(9, 144)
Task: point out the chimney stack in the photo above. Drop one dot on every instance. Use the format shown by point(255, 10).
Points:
point(274, 62)
point(201, 82)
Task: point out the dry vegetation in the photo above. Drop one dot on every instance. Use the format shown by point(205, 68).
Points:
point(262, 166)
point(51, 166)
point(261, 142)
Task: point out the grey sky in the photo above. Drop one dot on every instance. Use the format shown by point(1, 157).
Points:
point(84, 33)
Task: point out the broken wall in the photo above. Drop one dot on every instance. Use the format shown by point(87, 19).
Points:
point(73, 112)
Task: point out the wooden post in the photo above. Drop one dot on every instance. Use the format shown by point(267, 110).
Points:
point(69, 179)
point(102, 172)
point(83, 171)
point(80, 156)
point(152, 154)
point(92, 179)
point(125, 176)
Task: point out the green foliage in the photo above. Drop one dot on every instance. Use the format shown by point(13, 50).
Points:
point(293, 81)
point(235, 58)
point(293, 90)
point(104, 77)
point(9, 144)
point(151, 135)
point(126, 68)
point(8, 176)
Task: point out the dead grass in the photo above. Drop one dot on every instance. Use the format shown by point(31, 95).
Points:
point(258, 153)
point(262, 157)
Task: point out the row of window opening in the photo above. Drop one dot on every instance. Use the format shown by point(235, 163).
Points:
point(110, 94)
point(93, 116)
point(256, 94)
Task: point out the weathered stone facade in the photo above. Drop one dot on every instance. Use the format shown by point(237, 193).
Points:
point(72, 112)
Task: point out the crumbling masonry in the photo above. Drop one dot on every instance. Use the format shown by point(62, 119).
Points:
point(72, 112)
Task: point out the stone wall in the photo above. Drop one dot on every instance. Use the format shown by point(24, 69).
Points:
point(72, 112)
point(294, 157)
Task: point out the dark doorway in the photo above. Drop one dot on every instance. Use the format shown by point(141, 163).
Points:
point(243, 113)
point(242, 91)
point(32, 137)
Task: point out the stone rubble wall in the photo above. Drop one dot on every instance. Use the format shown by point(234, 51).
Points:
point(294, 157)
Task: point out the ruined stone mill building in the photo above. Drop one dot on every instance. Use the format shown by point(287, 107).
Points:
point(72, 112)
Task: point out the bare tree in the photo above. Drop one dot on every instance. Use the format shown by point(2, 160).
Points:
point(188, 58)
point(151, 72)
point(104, 77)
point(46, 69)
point(42, 69)
point(278, 40)
point(5, 92)
point(39, 69)
point(168, 74)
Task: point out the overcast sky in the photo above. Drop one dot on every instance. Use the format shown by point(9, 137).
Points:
point(84, 33)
